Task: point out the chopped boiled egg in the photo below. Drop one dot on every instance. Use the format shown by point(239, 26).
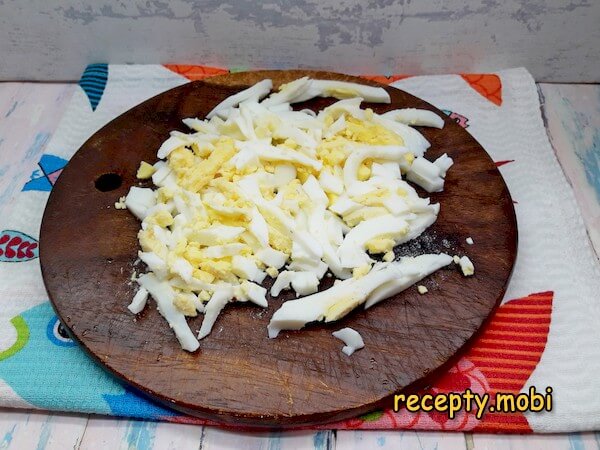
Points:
point(139, 301)
point(351, 338)
point(343, 297)
point(416, 117)
point(145, 171)
point(466, 265)
point(259, 189)
point(256, 92)
point(139, 201)
point(121, 203)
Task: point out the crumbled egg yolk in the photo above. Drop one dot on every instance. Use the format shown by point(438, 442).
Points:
point(380, 245)
point(185, 305)
point(370, 133)
point(121, 203)
point(145, 171)
point(361, 271)
point(161, 218)
point(272, 272)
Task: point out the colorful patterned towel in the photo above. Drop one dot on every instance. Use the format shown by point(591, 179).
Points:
point(544, 334)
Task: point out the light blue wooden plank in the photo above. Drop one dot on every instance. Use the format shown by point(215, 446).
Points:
point(422, 440)
point(23, 430)
point(574, 441)
point(29, 115)
point(572, 114)
point(174, 436)
point(124, 434)
point(215, 438)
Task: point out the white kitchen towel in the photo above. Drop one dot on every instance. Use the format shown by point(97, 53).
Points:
point(543, 335)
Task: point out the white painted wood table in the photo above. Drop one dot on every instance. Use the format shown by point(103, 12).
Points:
point(29, 114)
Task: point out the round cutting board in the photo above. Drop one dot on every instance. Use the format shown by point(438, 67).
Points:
point(239, 375)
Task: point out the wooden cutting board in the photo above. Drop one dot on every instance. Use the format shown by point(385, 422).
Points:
point(239, 375)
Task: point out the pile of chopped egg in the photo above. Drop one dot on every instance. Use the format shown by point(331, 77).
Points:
point(259, 190)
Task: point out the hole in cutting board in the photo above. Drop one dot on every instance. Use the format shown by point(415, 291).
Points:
point(108, 182)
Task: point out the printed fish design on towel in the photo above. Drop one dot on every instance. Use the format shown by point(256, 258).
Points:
point(49, 169)
point(93, 82)
point(458, 118)
point(65, 378)
point(195, 73)
point(16, 246)
point(488, 85)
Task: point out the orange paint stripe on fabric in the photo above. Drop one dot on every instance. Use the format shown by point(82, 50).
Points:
point(537, 305)
point(514, 361)
point(516, 333)
point(518, 343)
point(486, 349)
point(512, 381)
point(506, 324)
point(522, 321)
point(548, 294)
point(504, 371)
point(510, 386)
point(499, 366)
point(384, 78)
point(493, 426)
point(515, 315)
point(519, 328)
point(543, 312)
point(510, 341)
point(520, 306)
point(537, 298)
point(510, 346)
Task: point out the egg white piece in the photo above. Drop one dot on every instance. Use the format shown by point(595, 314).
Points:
point(220, 298)
point(317, 268)
point(359, 155)
point(343, 90)
point(349, 106)
point(444, 163)
point(251, 292)
point(414, 269)
point(352, 251)
point(246, 268)
point(138, 303)
point(415, 117)
point(351, 338)
point(270, 153)
point(271, 257)
point(182, 268)
point(163, 294)
point(169, 145)
point(467, 266)
point(139, 201)
point(426, 174)
point(288, 92)
point(413, 139)
point(258, 91)
point(333, 303)
point(282, 282)
point(215, 233)
point(155, 263)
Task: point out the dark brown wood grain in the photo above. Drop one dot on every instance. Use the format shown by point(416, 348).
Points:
point(239, 375)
